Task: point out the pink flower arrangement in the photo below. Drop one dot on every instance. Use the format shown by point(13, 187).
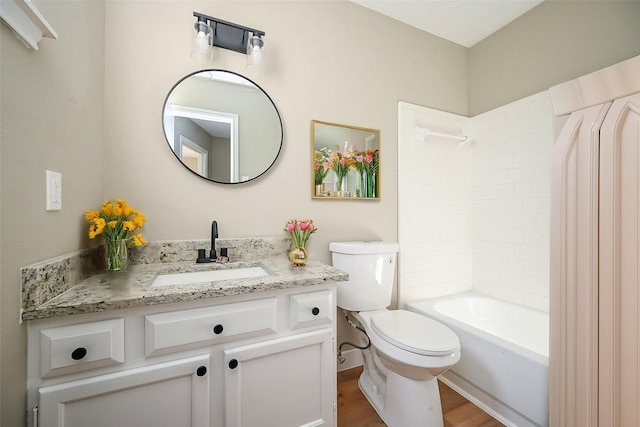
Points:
point(341, 161)
point(366, 161)
point(321, 164)
point(300, 231)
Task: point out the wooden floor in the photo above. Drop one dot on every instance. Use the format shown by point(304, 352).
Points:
point(354, 409)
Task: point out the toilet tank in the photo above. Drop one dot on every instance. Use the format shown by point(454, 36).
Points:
point(371, 267)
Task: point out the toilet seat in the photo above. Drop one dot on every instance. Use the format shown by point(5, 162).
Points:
point(415, 333)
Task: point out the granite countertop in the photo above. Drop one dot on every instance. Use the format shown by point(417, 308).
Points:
point(48, 294)
point(132, 288)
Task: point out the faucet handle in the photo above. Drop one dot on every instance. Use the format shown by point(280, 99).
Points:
point(202, 256)
point(223, 258)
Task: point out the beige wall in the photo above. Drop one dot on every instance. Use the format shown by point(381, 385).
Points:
point(353, 73)
point(52, 118)
point(556, 41)
point(89, 104)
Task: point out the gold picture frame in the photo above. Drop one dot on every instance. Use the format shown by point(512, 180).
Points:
point(345, 162)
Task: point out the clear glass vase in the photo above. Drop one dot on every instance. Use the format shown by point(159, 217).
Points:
point(341, 185)
point(116, 255)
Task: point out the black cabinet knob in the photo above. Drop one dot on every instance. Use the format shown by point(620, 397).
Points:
point(315, 311)
point(201, 371)
point(79, 353)
point(233, 363)
point(218, 329)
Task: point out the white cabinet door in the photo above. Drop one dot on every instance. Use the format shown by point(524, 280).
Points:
point(285, 382)
point(172, 394)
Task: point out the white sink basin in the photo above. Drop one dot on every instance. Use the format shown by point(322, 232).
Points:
point(207, 276)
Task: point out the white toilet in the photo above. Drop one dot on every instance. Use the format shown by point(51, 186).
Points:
point(407, 350)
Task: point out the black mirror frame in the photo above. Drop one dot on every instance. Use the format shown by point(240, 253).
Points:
point(253, 83)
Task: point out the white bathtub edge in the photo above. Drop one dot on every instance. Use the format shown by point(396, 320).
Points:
point(479, 369)
point(427, 307)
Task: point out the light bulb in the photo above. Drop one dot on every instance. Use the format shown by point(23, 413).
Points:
point(256, 55)
point(201, 50)
point(202, 41)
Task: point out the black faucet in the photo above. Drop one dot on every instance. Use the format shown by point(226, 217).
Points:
point(214, 235)
point(213, 257)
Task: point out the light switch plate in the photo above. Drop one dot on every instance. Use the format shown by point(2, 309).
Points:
point(54, 191)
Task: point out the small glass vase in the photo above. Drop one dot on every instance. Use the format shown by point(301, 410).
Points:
point(369, 184)
point(116, 255)
point(298, 256)
point(341, 185)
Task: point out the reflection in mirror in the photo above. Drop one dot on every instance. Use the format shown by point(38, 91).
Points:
point(222, 126)
point(345, 161)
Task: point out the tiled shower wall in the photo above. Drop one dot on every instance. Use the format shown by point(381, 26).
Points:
point(511, 201)
point(477, 216)
point(434, 204)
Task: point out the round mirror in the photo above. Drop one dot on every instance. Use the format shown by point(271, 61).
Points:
point(222, 126)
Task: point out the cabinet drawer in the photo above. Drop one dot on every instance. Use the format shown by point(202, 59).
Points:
point(198, 327)
point(82, 346)
point(311, 309)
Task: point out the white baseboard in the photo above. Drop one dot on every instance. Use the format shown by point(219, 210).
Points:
point(353, 358)
point(484, 401)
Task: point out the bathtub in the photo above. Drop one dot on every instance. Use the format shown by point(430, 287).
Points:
point(504, 367)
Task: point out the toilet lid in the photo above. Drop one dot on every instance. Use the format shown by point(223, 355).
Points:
point(415, 333)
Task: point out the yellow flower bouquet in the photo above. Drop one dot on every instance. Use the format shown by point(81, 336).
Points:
point(117, 222)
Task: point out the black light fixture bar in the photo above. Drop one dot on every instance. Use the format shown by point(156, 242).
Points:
point(228, 35)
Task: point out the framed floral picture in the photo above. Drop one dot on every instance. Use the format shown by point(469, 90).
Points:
point(345, 161)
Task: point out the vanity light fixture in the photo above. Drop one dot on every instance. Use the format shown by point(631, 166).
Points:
point(212, 31)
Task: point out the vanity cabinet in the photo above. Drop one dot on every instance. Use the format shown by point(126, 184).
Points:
point(265, 359)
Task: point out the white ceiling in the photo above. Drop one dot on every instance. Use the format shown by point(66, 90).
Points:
point(465, 22)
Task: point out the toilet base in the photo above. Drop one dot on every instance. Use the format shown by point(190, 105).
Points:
point(405, 402)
